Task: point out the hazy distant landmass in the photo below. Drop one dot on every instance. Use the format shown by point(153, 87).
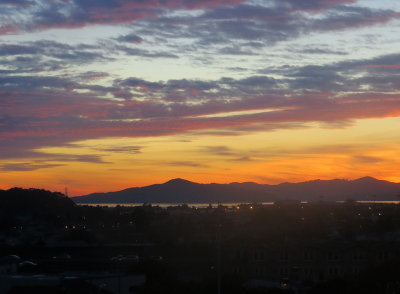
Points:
point(183, 191)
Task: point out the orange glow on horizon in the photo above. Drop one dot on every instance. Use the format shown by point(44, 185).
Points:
point(367, 148)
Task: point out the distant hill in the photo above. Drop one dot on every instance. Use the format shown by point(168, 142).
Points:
point(18, 201)
point(183, 191)
point(366, 188)
point(180, 191)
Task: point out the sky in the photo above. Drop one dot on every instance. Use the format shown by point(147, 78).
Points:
point(102, 95)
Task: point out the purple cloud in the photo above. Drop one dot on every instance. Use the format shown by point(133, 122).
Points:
point(130, 38)
point(26, 166)
point(45, 101)
point(44, 14)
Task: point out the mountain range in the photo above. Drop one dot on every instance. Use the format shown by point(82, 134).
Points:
point(183, 191)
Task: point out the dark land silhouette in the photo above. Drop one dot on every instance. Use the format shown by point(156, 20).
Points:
point(49, 244)
point(182, 191)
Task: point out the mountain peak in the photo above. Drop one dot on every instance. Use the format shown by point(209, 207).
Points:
point(366, 180)
point(178, 181)
point(183, 191)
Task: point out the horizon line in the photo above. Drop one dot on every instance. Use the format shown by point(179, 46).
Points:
point(343, 179)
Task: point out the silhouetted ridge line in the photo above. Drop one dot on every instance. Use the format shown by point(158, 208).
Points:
point(183, 191)
point(18, 201)
point(179, 181)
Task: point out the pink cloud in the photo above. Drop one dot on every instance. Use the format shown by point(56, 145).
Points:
point(107, 118)
point(359, 21)
point(97, 76)
point(66, 114)
point(126, 12)
point(8, 29)
point(178, 4)
point(316, 5)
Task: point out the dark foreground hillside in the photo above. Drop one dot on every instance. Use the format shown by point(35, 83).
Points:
point(17, 201)
point(50, 245)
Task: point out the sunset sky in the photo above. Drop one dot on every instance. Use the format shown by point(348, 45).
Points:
point(102, 95)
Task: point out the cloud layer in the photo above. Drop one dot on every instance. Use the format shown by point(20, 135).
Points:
point(266, 75)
